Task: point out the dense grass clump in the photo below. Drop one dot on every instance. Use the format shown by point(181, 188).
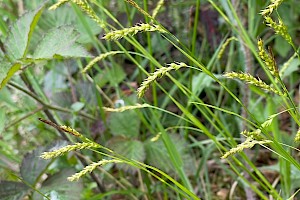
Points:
point(149, 100)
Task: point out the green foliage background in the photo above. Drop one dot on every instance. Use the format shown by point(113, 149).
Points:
point(195, 116)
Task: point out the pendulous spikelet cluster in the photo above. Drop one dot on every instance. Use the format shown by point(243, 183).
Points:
point(68, 148)
point(91, 167)
point(270, 8)
point(70, 130)
point(279, 28)
point(297, 137)
point(248, 143)
point(85, 7)
point(98, 58)
point(253, 81)
point(156, 75)
point(269, 121)
point(124, 108)
point(268, 59)
point(142, 27)
point(131, 2)
point(221, 52)
point(157, 8)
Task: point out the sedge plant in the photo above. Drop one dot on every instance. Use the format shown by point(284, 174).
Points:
point(208, 110)
point(260, 133)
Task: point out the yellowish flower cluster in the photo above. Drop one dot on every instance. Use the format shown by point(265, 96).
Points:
point(253, 81)
point(268, 59)
point(156, 75)
point(68, 148)
point(279, 28)
point(249, 143)
point(91, 167)
point(98, 58)
point(124, 108)
point(118, 34)
point(273, 6)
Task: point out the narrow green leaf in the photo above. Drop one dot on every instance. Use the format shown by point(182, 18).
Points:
point(7, 70)
point(10, 190)
point(60, 43)
point(20, 33)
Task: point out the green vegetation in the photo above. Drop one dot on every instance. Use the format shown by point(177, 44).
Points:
point(149, 99)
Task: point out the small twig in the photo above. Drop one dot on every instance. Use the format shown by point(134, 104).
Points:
point(24, 117)
point(20, 7)
point(142, 184)
point(73, 90)
point(48, 106)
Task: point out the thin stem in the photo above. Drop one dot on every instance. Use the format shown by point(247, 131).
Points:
point(48, 106)
point(152, 67)
point(24, 117)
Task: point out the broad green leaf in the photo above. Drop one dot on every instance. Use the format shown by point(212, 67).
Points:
point(77, 106)
point(7, 70)
point(19, 36)
point(33, 166)
point(54, 79)
point(126, 124)
point(10, 190)
point(58, 187)
point(132, 149)
point(16, 44)
point(63, 15)
point(60, 43)
point(157, 155)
